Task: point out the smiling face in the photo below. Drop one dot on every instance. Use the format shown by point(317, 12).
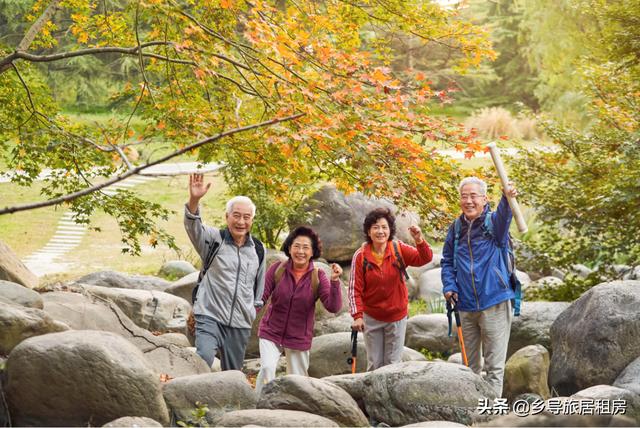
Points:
point(472, 201)
point(379, 232)
point(239, 220)
point(301, 251)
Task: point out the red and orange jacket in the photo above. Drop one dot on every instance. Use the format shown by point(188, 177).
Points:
point(381, 292)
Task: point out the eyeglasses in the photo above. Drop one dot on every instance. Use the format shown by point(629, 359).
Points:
point(472, 196)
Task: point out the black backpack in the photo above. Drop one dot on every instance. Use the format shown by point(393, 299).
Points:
point(213, 251)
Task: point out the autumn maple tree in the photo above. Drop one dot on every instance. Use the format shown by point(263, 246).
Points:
point(286, 94)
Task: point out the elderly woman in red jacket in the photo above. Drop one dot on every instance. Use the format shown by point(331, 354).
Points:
point(294, 286)
point(378, 296)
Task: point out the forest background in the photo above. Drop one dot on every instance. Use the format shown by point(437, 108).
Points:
point(290, 96)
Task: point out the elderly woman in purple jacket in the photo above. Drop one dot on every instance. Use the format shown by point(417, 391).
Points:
point(294, 286)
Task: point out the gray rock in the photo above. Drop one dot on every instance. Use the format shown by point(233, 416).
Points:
point(353, 384)
point(91, 378)
point(85, 312)
point(601, 325)
point(18, 323)
point(546, 419)
point(11, 292)
point(431, 332)
point(523, 277)
point(630, 377)
point(120, 280)
point(336, 324)
point(611, 393)
point(581, 271)
point(430, 285)
point(533, 326)
point(184, 286)
point(222, 392)
point(526, 372)
point(176, 269)
point(133, 422)
point(273, 418)
point(329, 353)
point(435, 424)
point(177, 339)
point(252, 366)
point(13, 270)
point(151, 310)
point(338, 221)
point(316, 396)
point(405, 393)
point(455, 358)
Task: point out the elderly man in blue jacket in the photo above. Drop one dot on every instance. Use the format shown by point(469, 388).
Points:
point(475, 277)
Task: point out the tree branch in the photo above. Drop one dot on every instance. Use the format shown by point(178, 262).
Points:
point(136, 170)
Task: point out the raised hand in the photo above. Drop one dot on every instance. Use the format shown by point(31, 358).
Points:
point(197, 188)
point(511, 190)
point(336, 271)
point(416, 234)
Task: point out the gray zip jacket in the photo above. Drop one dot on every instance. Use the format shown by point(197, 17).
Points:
point(232, 287)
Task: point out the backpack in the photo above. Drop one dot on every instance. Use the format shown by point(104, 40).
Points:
point(399, 262)
point(315, 279)
point(514, 282)
point(214, 247)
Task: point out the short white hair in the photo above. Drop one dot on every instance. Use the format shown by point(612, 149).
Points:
point(474, 180)
point(242, 200)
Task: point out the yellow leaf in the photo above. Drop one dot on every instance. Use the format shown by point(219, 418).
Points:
point(226, 4)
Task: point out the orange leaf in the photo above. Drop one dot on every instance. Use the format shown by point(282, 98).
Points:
point(226, 4)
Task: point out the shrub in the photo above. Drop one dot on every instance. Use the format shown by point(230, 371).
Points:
point(493, 122)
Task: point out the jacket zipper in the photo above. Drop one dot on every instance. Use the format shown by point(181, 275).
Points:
point(473, 282)
point(286, 323)
point(235, 293)
point(504, 284)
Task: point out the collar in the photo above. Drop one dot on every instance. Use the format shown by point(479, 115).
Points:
point(368, 251)
point(485, 211)
point(248, 242)
point(289, 266)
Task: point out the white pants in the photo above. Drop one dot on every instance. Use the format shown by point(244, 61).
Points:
point(384, 341)
point(297, 362)
point(486, 334)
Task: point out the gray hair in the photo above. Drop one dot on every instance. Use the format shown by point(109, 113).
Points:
point(242, 200)
point(474, 180)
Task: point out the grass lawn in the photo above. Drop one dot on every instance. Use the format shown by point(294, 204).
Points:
point(102, 250)
point(26, 231)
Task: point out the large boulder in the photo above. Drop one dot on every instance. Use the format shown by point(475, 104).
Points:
point(120, 280)
point(317, 396)
point(602, 325)
point(132, 422)
point(11, 292)
point(533, 326)
point(338, 218)
point(221, 392)
point(86, 312)
point(184, 286)
point(151, 310)
point(329, 353)
point(612, 394)
point(18, 323)
point(176, 269)
point(630, 377)
point(430, 285)
point(353, 384)
point(526, 372)
point(80, 378)
point(431, 332)
point(336, 324)
point(273, 418)
point(12, 269)
point(405, 393)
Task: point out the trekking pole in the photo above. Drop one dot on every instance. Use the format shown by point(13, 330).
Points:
point(454, 309)
point(354, 351)
point(515, 208)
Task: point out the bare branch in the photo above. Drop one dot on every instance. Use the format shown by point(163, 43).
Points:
point(136, 170)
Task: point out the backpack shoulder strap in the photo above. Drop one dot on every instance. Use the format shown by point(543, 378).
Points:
point(278, 274)
point(315, 281)
point(259, 247)
point(214, 247)
point(457, 228)
point(398, 255)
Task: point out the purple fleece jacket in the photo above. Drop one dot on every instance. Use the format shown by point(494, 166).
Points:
point(289, 319)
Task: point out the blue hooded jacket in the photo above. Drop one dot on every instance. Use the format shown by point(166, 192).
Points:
point(481, 275)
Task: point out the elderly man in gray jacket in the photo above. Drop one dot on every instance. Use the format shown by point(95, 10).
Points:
point(231, 289)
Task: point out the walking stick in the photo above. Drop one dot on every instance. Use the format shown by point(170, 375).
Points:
point(454, 308)
point(354, 351)
point(515, 208)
